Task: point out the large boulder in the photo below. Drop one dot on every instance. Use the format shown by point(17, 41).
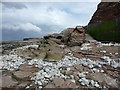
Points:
point(66, 34)
point(77, 37)
point(54, 53)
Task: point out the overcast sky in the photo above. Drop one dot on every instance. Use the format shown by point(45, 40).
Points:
point(28, 19)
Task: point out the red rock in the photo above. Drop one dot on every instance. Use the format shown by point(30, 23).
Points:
point(7, 81)
point(50, 85)
point(58, 82)
point(106, 11)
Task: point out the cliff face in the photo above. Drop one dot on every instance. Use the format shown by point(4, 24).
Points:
point(106, 11)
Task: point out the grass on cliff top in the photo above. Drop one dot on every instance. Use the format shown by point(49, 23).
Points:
point(107, 31)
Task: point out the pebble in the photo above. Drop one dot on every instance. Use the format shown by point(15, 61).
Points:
point(96, 84)
point(81, 75)
point(27, 87)
point(40, 86)
point(47, 76)
point(103, 51)
point(96, 70)
point(73, 81)
point(36, 65)
point(71, 76)
point(102, 71)
point(84, 81)
point(116, 54)
point(90, 66)
point(92, 83)
point(11, 62)
point(39, 82)
point(68, 69)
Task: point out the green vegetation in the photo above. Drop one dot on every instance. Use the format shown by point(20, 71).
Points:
point(106, 31)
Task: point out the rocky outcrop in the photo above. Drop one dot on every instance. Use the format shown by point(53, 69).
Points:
point(105, 23)
point(77, 37)
point(69, 37)
point(106, 11)
point(66, 34)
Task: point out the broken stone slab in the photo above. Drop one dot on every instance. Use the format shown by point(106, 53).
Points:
point(75, 49)
point(50, 85)
point(51, 56)
point(42, 55)
point(96, 76)
point(58, 81)
point(8, 82)
point(52, 43)
point(23, 75)
point(23, 84)
point(27, 67)
point(55, 53)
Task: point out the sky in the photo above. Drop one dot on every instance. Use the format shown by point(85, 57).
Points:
point(36, 19)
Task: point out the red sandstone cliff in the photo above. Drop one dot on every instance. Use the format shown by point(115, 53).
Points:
point(106, 11)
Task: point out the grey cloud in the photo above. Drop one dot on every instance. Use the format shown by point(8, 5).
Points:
point(46, 17)
point(18, 35)
point(15, 5)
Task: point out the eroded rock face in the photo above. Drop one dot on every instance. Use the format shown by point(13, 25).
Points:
point(69, 36)
point(77, 37)
point(106, 11)
point(66, 34)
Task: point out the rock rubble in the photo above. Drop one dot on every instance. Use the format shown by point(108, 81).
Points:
point(11, 62)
